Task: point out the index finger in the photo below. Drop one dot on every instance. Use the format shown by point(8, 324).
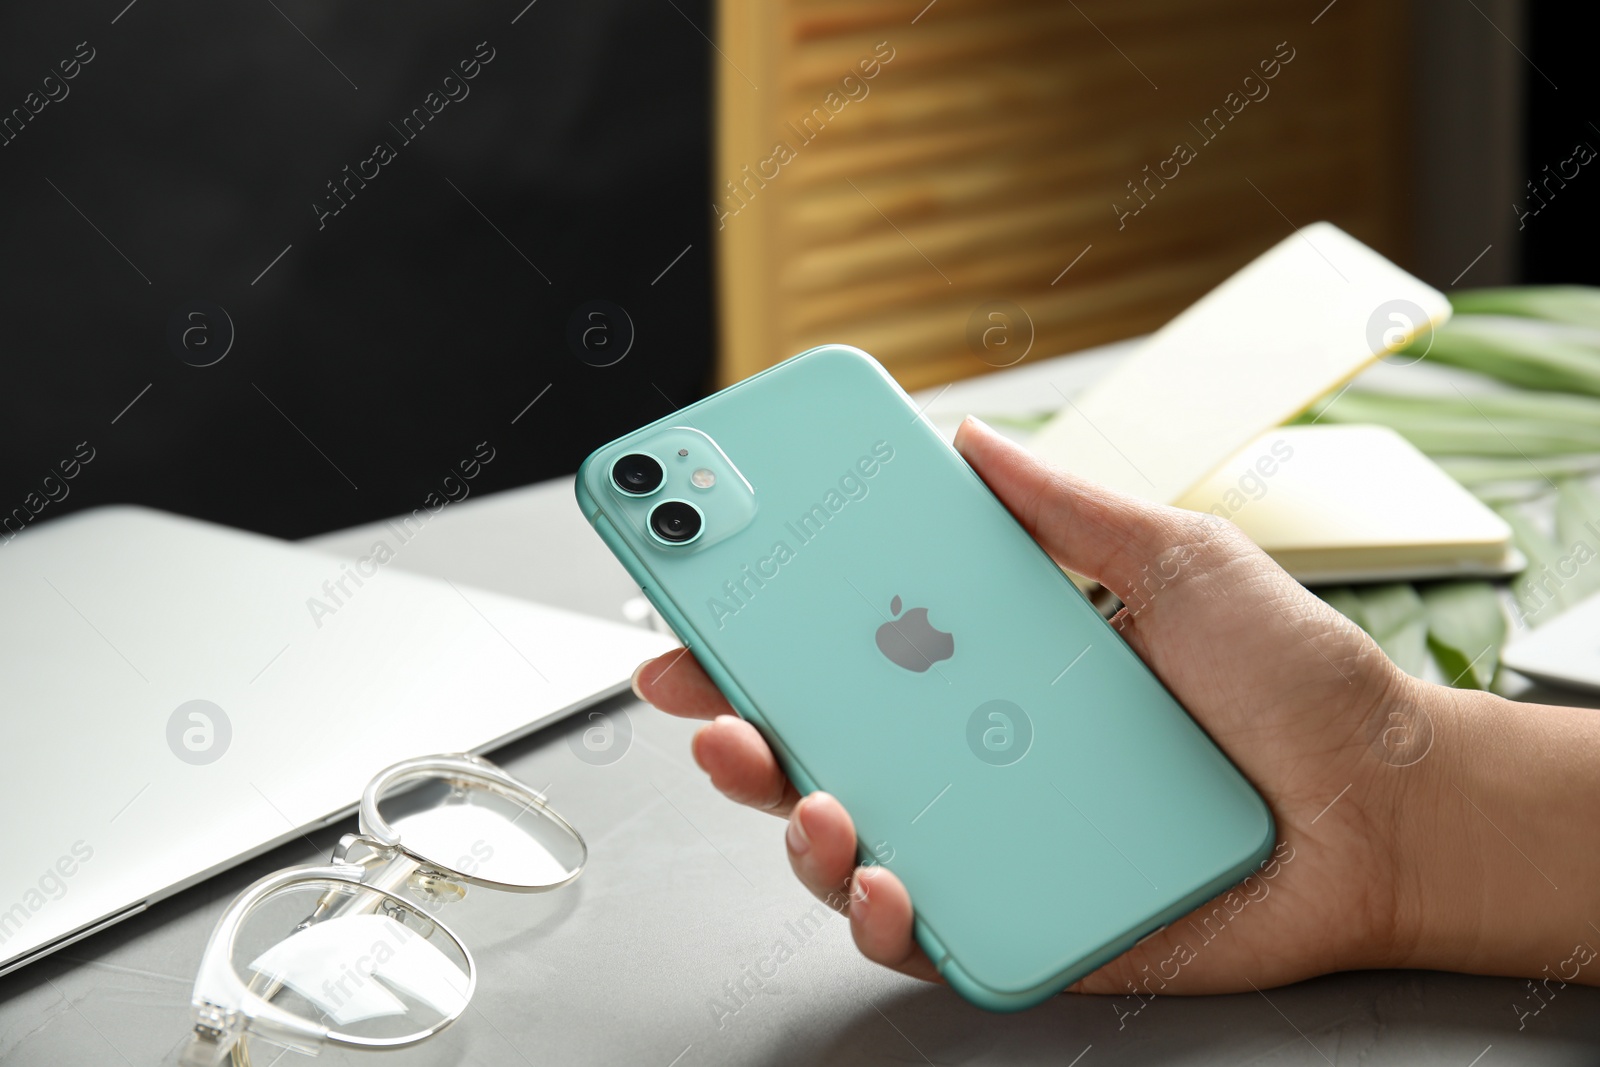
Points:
point(677, 684)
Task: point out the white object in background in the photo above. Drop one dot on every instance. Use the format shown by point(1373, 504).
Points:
point(1300, 320)
point(1564, 652)
point(640, 612)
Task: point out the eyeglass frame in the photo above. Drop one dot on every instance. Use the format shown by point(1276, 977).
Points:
point(227, 1009)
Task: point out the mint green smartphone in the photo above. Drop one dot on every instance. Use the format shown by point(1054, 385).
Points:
point(862, 598)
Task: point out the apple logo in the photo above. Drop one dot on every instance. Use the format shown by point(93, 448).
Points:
point(911, 641)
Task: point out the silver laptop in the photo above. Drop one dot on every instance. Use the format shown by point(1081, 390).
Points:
point(180, 696)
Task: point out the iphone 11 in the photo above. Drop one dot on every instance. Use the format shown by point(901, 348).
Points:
point(866, 602)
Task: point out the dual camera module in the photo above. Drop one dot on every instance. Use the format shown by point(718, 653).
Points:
point(673, 522)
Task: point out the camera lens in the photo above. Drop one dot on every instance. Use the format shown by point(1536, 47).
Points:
point(637, 474)
point(676, 522)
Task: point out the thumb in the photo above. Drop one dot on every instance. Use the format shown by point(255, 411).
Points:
point(1088, 529)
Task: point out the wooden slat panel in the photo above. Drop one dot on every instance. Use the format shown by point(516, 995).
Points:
point(988, 153)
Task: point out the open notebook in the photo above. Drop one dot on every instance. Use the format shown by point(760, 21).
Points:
point(1194, 418)
point(1352, 504)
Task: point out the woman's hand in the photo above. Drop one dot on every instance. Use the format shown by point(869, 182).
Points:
point(1380, 861)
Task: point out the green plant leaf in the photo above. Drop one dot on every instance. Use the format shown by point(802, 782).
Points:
point(1575, 304)
point(1512, 425)
point(1539, 592)
point(1466, 629)
point(1343, 599)
point(1392, 614)
point(1034, 420)
point(1578, 536)
point(1472, 471)
point(1528, 404)
point(1397, 619)
point(1500, 494)
point(1536, 355)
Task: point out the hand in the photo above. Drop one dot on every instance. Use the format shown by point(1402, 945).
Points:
point(1338, 740)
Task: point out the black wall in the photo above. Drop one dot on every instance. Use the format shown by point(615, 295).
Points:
point(195, 142)
point(1562, 224)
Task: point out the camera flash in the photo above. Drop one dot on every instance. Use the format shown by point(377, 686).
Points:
point(703, 479)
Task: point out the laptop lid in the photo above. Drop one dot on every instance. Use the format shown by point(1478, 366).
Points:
point(182, 696)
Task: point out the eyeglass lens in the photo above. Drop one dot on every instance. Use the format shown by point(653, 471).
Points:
point(462, 826)
point(374, 967)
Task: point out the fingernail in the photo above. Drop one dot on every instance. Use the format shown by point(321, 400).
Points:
point(962, 431)
point(799, 843)
point(634, 681)
point(859, 901)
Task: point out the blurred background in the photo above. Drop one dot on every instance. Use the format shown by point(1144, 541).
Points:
point(287, 265)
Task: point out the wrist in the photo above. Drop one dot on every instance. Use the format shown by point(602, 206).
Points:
point(1495, 831)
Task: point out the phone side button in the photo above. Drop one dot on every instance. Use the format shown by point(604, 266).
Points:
point(666, 616)
point(1151, 934)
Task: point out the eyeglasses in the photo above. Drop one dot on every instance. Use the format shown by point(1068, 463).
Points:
point(350, 953)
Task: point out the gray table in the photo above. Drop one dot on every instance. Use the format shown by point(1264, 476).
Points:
point(686, 893)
